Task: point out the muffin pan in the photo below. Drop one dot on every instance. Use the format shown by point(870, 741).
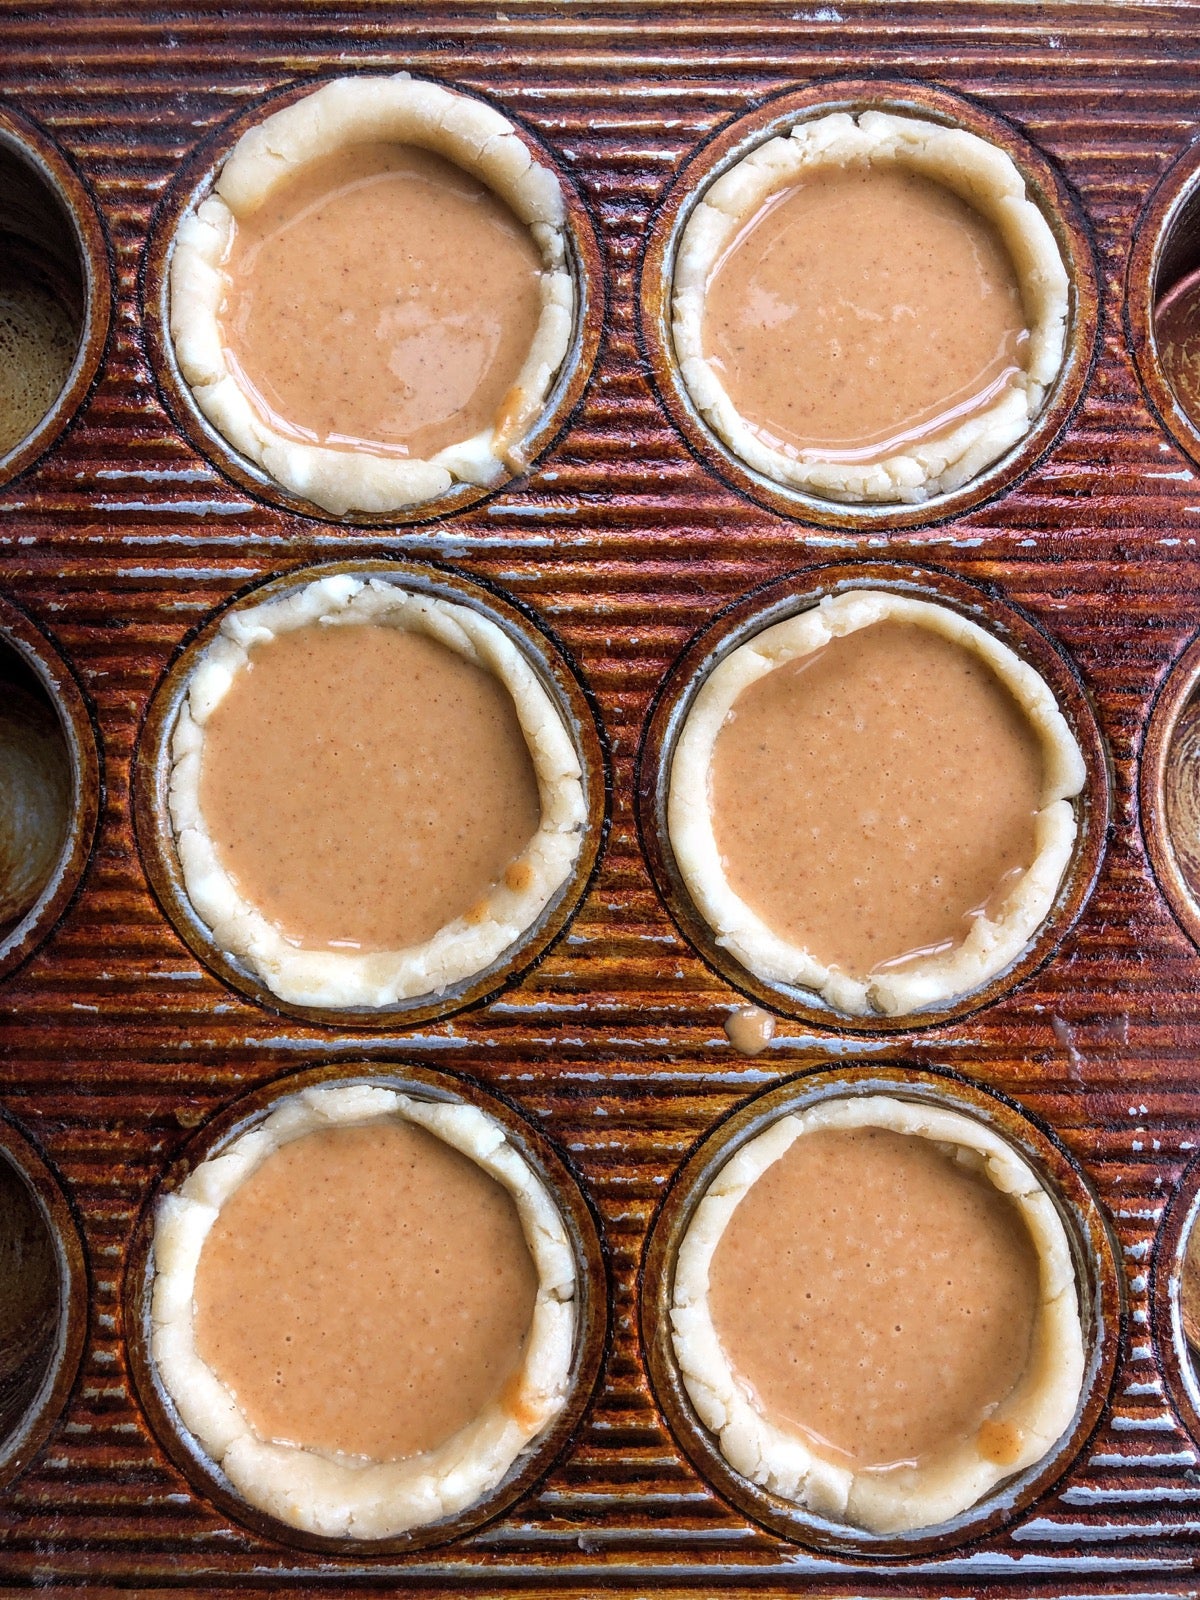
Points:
point(126, 1046)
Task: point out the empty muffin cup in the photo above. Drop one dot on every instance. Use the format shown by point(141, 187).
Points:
point(1175, 1295)
point(43, 1310)
point(1170, 788)
point(379, 304)
point(49, 786)
point(375, 791)
point(879, 1319)
point(54, 292)
point(872, 798)
point(368, 1309)
point(1162, 300)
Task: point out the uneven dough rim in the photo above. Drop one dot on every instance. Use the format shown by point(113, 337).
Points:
point(980, 174)
point(341, 1495)
point(459, 950)
point(992, 944)
point(901, 1500)
point(403, 110)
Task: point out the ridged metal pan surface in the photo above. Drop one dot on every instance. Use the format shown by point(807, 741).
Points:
point(624, 540)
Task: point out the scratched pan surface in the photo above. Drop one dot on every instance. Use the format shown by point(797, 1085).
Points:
point(120, 538)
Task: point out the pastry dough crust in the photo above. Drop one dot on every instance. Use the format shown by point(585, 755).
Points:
point(993, 941)
point(327, 977)
point(979, 174)
point(900, 1499)
point(342, 1495)
point(400, 110)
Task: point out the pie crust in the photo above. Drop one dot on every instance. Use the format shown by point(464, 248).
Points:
point(342, 1495)
point(328, 977)
point(979, 174)
point(992, 942)
point(900, 1499)
point(348, 111)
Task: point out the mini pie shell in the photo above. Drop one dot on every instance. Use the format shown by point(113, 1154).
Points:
point(348, 111)
point(981, 175)
point(332, 978)
point(343, 1495)
point(899, 1499)
point(990, 945)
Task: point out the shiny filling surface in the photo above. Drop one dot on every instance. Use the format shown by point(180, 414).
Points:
point(366, 1291)
point(381, 299)
point(870, 799)
point(364, 786)
point(877, 1297)
point(861, 312)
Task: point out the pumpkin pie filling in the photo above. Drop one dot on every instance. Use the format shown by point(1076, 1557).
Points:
point(381, 299)
point(367, 1291)
point(873, 797)
point(878, 1297)
point(861, 311)
point(366, 785)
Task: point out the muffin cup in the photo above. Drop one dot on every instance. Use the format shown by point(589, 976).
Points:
point(193, 184)
point(1096, 1272)
point(1166, 250)
point(1178, 1361)
point(43, 1321)
point(152, 773)
point(36, 657)
point(1169, 797)
point(774, 603)
point(53, 232)
point(592, 1302)
point(777, 116)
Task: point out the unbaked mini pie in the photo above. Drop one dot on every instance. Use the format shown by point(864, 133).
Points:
point(372, 794)
point(871, 308)
point(363, 1309)
point(873, 800)
point(875, 1311)
point(374, 302)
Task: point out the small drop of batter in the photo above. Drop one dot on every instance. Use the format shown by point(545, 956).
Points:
point(750, 1029)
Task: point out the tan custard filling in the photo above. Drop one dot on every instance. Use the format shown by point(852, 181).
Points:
point(366, 1291)
point(862, 311)
point(380, 299)
point(364, 786)
point(871, 798)
point(877, 1297)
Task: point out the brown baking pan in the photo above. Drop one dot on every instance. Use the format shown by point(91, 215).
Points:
point(123, 531)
